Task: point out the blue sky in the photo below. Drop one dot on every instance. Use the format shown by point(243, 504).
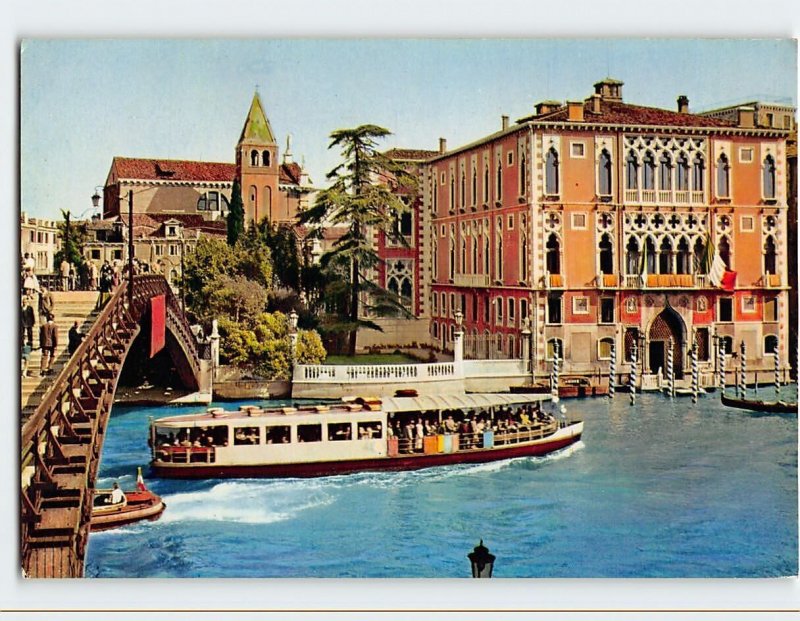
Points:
point(85, 101)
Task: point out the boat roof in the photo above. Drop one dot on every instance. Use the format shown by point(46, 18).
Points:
point(458, 401)
point(355, 407)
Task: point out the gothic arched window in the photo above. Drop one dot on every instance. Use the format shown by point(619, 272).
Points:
point(648, 172)
point(698, 173)
point(665, 257)
point(682, 173)
point(606, 255)
point(769, 256)
point(551, 173)
point(474, 185)
point(665, 171)
point(633, 257)
point(604, 173)
point(632, 171)
point(769, 177)
point(723, 177)
point(553, 254)
point(725, 251)
point(684, 257)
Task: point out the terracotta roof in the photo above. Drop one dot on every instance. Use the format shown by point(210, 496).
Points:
point(409, 154)
point(173, 170)
point(290, 173)
point(619, 113)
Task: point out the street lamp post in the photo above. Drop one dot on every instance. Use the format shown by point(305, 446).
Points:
point(482, 561)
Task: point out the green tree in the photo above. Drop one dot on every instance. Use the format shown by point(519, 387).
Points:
point(282, 243)
point(73, 238)
point(362, 197)
point(235, 219)
point(236, 297)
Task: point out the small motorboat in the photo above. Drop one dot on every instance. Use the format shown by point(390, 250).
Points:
point(111, 510)
point(777, 407)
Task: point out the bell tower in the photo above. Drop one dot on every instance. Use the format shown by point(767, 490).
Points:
point(257, 165)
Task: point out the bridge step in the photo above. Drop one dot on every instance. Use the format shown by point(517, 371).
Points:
point(58, 521)
point(61, 502)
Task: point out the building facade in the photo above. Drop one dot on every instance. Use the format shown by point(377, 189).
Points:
point(273, 186)
point(41, 239)
point(594, 224)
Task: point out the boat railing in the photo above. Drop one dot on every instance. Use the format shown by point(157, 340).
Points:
point(186, 454)
point(373, 373)
point(472, 441)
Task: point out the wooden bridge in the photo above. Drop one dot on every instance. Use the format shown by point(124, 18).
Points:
point(62, 440)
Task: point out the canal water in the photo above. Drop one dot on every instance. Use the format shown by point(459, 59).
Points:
point(662, 489)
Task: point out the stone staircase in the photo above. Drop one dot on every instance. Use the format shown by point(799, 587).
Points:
point(70, 306)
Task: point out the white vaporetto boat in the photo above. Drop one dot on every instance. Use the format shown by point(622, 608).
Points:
point(392, 433)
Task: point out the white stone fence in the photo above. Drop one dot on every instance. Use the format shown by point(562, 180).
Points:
point(377, 373)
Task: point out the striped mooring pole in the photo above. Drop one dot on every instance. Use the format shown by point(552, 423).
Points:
point(555, 372)
point(632, 375)
point(612, 370)
point(670, 368)
point(743, 370)
point(721, 364)
point(777, 373)
point(695, 374)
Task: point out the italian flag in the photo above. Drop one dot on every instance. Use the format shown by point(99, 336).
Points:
point(140, 481)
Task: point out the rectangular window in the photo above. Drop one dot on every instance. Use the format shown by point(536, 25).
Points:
point(452, 303)
point(435, 304)
point(510, 223)
point(577, 149)
point(746, 154)
point(554, 309)
point(631, 337)
point(579, 221)
point(96, 254)
point(523, 310)
point(339, 432)
point(510, 158)
point(726, 309)
point(604, 348)
point(771, 309)
point(118, 255)
point(499, 303)
point(747, 224)
point(486, 306)
point(278, 434)
point(309, 433)
point(475, 308)
point(580, 305)
point(512, 310)
point(33, 236)
point(606, 310)
point(370, 430)
point(749, 304)
point(444, 305)
point(247, 435)
point(173, 250)
point(159, 250)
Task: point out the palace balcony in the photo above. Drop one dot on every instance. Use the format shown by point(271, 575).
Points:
point(471, 280)
point(664, 281)
point(771, 281)
point(665, 197)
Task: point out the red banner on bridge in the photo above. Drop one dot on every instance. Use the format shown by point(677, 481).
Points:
point(158, 323)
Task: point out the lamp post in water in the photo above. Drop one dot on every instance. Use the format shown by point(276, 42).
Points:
point(482, 561)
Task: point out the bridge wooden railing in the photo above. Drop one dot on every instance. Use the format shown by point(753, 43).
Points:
point(62, 441)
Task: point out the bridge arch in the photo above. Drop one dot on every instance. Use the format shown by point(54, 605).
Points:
point(62, 441)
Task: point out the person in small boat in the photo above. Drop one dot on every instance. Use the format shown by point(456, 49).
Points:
point(117, 495)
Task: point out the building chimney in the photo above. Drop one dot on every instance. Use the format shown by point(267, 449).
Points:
point(609, 89)
point(504, 121)
point(575, 111)
point(596, 99)
point(683, 104)
point(442, 145)
point(747, 116)
point(545, 107)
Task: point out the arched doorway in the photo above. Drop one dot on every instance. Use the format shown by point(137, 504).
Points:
point(667, 324)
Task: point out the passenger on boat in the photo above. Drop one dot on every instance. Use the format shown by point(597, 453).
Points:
point(418, 435)
point(450, 424)
point(117, 495)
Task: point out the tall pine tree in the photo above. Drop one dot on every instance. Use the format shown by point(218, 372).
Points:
point(360, 200)
point(236, 214)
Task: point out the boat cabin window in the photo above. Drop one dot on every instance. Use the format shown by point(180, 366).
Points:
point(370, 430)
point(340, 431)
point(309, 433)
point(246, 435)
point(278, 434)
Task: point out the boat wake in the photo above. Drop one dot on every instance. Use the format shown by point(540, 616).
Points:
point(246, 502)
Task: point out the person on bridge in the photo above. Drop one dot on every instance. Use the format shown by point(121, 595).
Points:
point(48, 341)
point(74, 338)
point(65, 267)
point(46, 304)
point(28, 320)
